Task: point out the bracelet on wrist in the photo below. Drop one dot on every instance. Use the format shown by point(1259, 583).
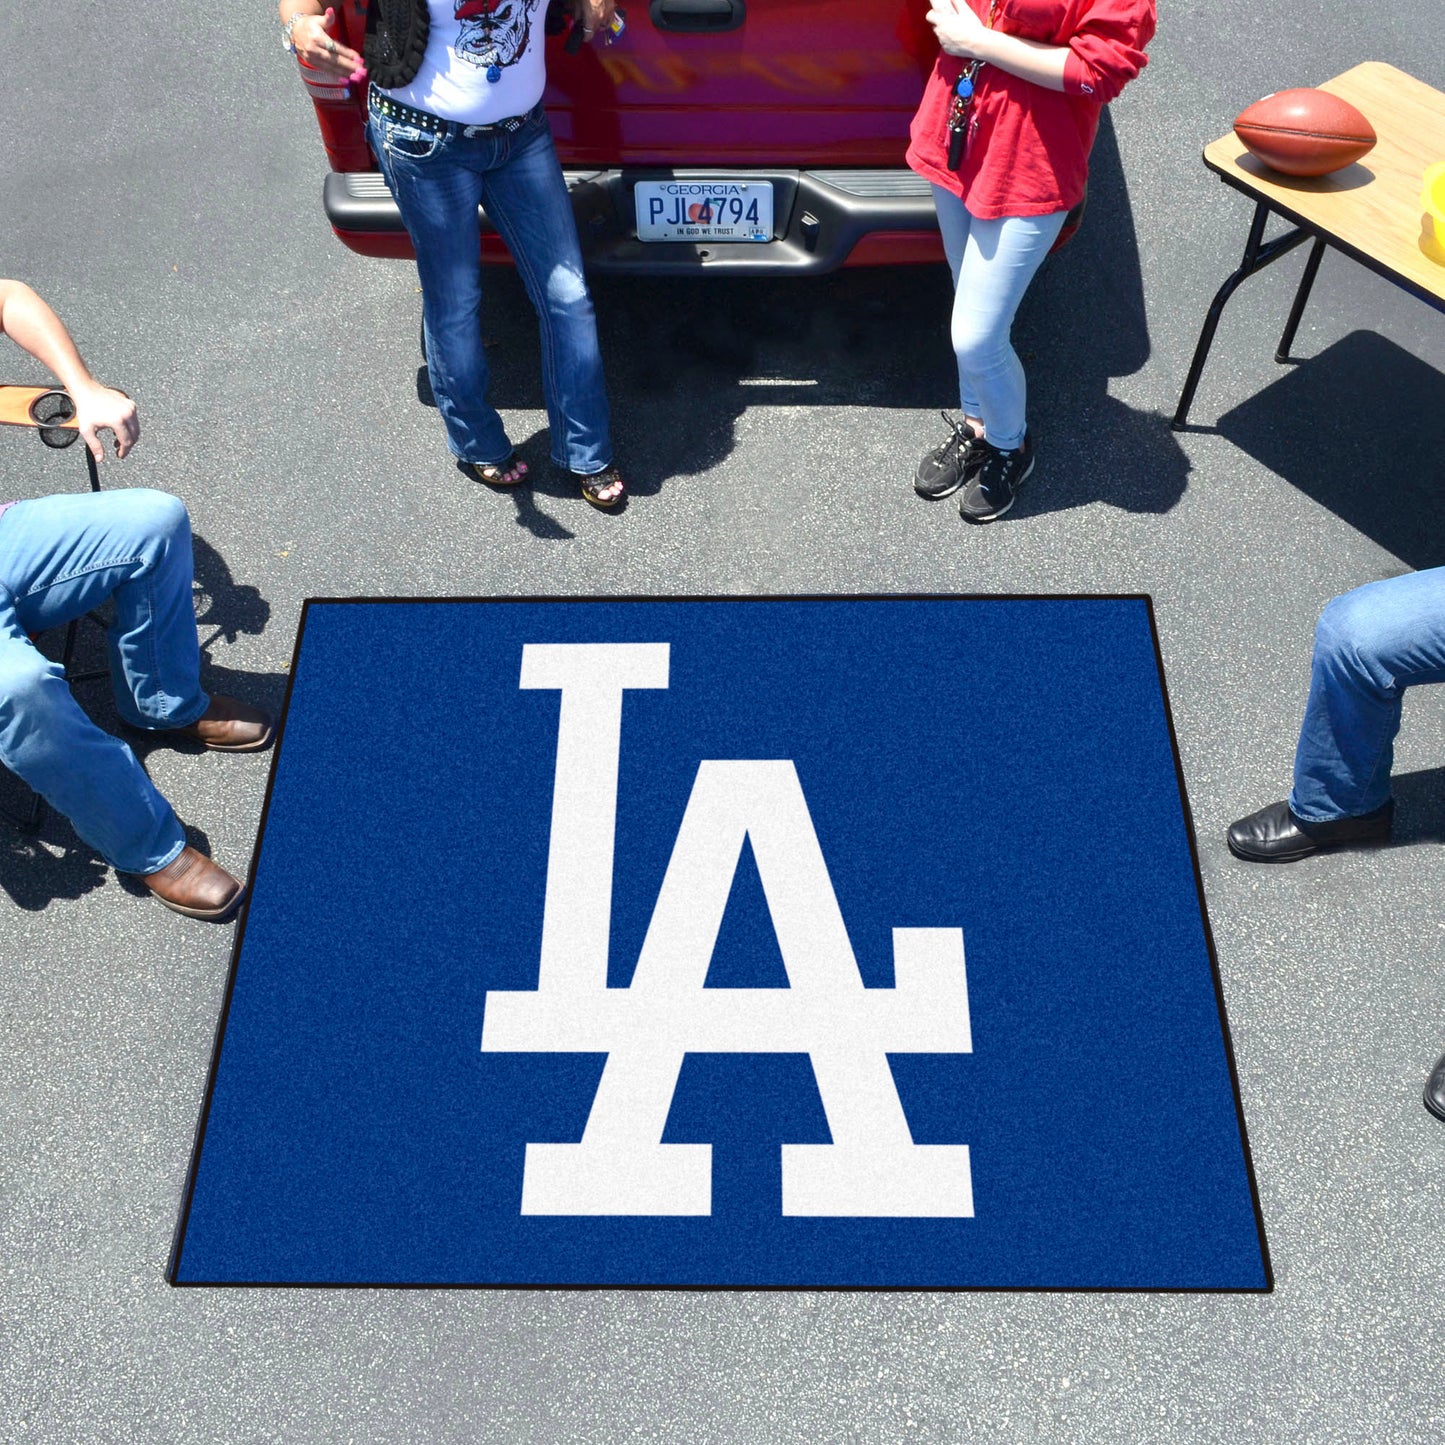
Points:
point(288, 44)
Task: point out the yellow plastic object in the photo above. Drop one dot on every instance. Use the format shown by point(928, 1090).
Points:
point(1432, 231)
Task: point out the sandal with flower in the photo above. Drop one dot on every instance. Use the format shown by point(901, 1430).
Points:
point(511, 471)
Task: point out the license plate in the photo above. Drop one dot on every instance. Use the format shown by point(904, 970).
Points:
point(704, 210)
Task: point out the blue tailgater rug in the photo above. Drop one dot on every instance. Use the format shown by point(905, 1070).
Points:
point(732, 943)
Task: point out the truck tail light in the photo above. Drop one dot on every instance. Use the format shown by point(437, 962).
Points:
point(317, 91)
point(322, 87)
point(341, 114)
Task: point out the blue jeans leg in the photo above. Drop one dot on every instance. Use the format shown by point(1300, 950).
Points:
point(528, 203)
point(438, 184)
point(992, 263)
point(1370, 645)
point(438, 203)
point(60, 557)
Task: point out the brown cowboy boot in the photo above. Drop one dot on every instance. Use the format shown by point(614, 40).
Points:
point(193, 885)
point(229, 725)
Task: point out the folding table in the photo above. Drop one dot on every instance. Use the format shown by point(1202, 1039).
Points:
point(1370, 211)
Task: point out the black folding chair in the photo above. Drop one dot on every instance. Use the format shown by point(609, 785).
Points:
point(50, 413)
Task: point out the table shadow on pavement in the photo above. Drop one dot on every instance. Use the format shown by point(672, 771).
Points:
point(1360, 428)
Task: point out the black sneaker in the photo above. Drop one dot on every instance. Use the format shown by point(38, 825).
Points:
point(945, 469)
point(992, 490)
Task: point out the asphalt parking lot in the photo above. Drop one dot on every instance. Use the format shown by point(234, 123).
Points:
point(161, 188)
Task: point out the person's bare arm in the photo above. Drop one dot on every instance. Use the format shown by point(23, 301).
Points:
point(314, 36)
point(35, 328)
point(960, 32)
point(594, 16)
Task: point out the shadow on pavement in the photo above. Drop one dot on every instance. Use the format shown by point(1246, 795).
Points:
point(1419, 806)
point(542, 476)
point(229, 606)
point(1082, 323)
point(1360, 428)
point(37, 870)
point(686, 356)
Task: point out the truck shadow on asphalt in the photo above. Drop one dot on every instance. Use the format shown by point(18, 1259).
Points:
point(39, 868)
point(685, 357)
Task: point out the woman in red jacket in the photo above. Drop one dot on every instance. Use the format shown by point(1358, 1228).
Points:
point(1003, 133)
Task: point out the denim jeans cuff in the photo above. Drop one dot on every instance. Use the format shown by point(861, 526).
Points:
point(1337, 814)
point(184, 718)
point(168, 857)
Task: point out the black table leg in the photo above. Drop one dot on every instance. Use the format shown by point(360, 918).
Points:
point(1257, 255)
point(1306, 284)
point(95, 617)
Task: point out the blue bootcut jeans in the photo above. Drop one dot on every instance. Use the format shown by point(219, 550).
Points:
point(59, 558)
point(438, 182)
point(1370, 645)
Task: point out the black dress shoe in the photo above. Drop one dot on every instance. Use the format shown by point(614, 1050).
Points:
point(1275, 835)
point(1435, 1089)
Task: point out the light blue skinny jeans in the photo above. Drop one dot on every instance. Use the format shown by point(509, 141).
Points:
point(438, 182)
point(1370, 645)
point(59, 558)
point(992, 263)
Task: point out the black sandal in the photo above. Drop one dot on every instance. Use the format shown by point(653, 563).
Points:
point(595, 483)
point(494, 474)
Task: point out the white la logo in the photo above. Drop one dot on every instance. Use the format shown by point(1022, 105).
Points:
point(872, 1167)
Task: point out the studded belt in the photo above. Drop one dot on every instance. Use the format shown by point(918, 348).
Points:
point(394, 110)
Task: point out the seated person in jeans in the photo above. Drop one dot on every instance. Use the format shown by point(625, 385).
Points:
point(1370, 645)
point(59, 558)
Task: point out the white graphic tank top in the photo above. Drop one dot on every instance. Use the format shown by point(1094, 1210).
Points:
point(483, 61)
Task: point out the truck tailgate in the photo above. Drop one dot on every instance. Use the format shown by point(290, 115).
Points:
point(796, 83)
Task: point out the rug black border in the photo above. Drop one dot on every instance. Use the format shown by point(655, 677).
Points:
point(174, 1262)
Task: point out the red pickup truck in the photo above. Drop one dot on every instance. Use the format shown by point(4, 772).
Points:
point(731, 136)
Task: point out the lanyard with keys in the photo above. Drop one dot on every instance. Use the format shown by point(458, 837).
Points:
point(958, 111)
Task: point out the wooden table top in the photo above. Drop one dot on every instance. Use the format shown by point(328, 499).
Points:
point(16, 401)
point(1372, 208)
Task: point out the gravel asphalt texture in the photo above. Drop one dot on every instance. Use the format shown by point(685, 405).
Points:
point(161, 187)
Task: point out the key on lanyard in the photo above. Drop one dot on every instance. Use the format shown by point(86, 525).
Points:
point(963, 100)
point(958, 114)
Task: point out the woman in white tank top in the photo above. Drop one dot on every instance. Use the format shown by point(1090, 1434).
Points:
point(456, 123)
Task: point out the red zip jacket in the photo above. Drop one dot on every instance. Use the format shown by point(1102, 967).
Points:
point(1028, 147)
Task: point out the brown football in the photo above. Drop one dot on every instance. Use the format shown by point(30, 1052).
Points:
point(1305, 132)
